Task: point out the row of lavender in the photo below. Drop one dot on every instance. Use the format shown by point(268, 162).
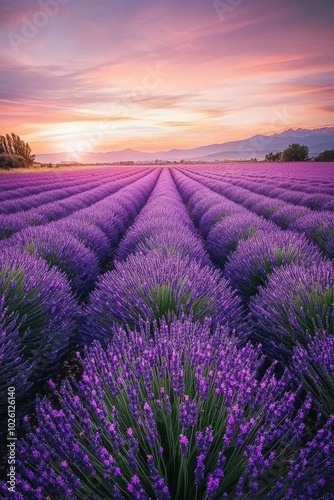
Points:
point(53, 208)
point(54, 191)
point(174, 401)
point(32, 183)
point(276, 176)
point(283, 278)
point(20, 185)
point(292, 173)
point(318, 226)
point(46, 271)
point(315, 197)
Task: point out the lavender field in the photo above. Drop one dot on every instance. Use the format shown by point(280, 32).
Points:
point(167, 333)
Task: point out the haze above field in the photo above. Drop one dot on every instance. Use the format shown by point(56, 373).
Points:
point(257, 146)
point(154, 75)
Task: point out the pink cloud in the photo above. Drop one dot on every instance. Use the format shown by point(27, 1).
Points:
point(217, 79)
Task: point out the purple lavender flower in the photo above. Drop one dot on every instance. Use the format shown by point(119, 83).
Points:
point(158, 482)
point(216, 214)
point(313, 365)
point(15, 370)
point(204, 440)
point(152, 287)
point(188, 413)
point(90, 235)
point(184, 445)
point(136, 490)
point(200, 468)
point(250, 266)
point(174, 241)
point(225, 236)
point(286, 216)
point(62, 251)
point(196, 445)
point(319, 228)
point(297, 302)
point(39, 318)
point(311, 473)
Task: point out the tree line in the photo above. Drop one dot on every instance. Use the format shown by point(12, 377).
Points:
point(298, 152)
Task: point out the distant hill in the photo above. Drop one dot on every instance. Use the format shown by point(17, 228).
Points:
point(257, 146)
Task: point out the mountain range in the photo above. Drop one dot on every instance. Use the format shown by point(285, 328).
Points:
point(257, 146)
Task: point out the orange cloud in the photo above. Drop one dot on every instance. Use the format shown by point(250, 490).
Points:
point(164, 75)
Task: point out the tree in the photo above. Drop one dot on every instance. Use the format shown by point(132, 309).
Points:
point(295, 152)
point(273, 157)
point(11, 144)
point(327, 155)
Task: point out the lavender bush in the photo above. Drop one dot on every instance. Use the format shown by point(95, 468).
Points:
point(154, 225)
point(181, 415)
point(288, 215)
point(297, 302)
point(14, 369)
point(172, 242)
point(319, 227)
point(154, 286)
point(89, 234)
point(214, 215)
point(224, 237)
point(62, 251)
point(39, 321)
point(314, 366)
point(311, 474)
point(255, 259)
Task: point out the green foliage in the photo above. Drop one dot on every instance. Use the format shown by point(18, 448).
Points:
point(166, 304)
point(8, 161)
point(327, 155)
point(11, 144)
point(273, 157)
point(295, 152)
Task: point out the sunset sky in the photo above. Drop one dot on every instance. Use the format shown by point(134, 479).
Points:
point(100, 75)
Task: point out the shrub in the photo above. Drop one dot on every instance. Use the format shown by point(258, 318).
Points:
point(250, 266)
point(297, 302)
point(285, 217)
point(90, 235)
point(14, 369)
point(152, 287)
point(267, 207)
point(111, 219)
point(319, 228)
point(225, 236)
point(175, 242)
point(214, 215)
point(145, 228)
point(314, 366)
point(61, 250)
point(311, 473)
point(327, 155)
point(182, 415)
point(8, 161)
point(39, 318)
point(295, 152)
